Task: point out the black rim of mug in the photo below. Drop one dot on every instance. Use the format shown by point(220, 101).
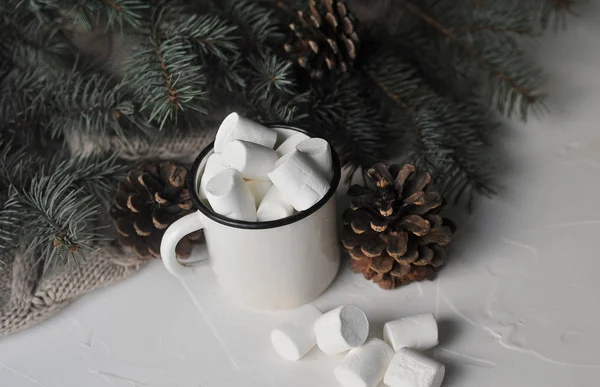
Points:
point(210, 214)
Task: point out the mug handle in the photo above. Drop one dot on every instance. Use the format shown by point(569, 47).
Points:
point(177, 230)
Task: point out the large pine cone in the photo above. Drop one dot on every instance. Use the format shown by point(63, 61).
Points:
point(326, 38)
point(393, 231)
point(153, 196)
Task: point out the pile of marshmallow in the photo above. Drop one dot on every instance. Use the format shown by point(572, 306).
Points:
point(395, 359)
point(247, 179)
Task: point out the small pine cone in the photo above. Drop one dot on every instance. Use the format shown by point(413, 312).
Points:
point(326, 38)
point(393, 231)
point(153, 196)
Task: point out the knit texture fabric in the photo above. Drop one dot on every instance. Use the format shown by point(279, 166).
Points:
point(33, 298)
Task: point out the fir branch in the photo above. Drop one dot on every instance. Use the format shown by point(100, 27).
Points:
point(448, 136)
point(91, 13)
point(344, 115)
point(10, 221)
point(92, 104)
point(58, 222)
point(270, 74)
point(497, 18)
point(272, 88)
point(510, 86)
point(97, 175)
point(122, 12)
point(42, 10)
point(165, 78)
point(208, 34)
point(16, 165)
point(31, 45)
point(555, 12)
point(408, 87)
point(257, 23)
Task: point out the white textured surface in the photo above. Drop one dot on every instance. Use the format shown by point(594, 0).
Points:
point(517, 303)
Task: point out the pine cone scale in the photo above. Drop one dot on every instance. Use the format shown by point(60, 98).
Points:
point(397, 243)
point(413, 223)
point(382, 264)
point(143, 225)
point(399, 270)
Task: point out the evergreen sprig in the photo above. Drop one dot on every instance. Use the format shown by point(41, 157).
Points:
point(165, 80)
point(270, 82)
point(208, 34)
point(93, 102)
point(58, 221)
point(512, 82)
point(446, 137)
point(97, 175)
point(257, 23)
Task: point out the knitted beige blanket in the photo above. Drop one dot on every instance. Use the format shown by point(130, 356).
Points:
point(29, 298)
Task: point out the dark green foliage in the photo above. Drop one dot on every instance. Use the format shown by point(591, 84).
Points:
point(429, 79)
point(456, 152)
point(53, 212)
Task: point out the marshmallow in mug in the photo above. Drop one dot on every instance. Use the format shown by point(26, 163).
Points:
point(259, 189)
point(294, 339)
point(341, 329)
point(319, 152)
point(409, 368)
point(214, 165)
point(229, 195)
point(236, 127)
point(273, 206)
point(289, 145)
point(365, 366)
point(297, 180)
point(253, 161)
point(417, 332)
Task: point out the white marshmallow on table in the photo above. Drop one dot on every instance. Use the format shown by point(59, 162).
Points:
point(214, 165)
point(364, 366)
point(273, 206)
point(259, 189)
point(290, 143)
point(410, 368)
point(229, 195)
point(418, 332)
point(253, 161)
point(319, 152)
point(299, 183)
point(236, 127)
point(294, 339)
point(341, 329)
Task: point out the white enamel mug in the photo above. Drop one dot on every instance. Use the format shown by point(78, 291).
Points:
point(268, 265)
